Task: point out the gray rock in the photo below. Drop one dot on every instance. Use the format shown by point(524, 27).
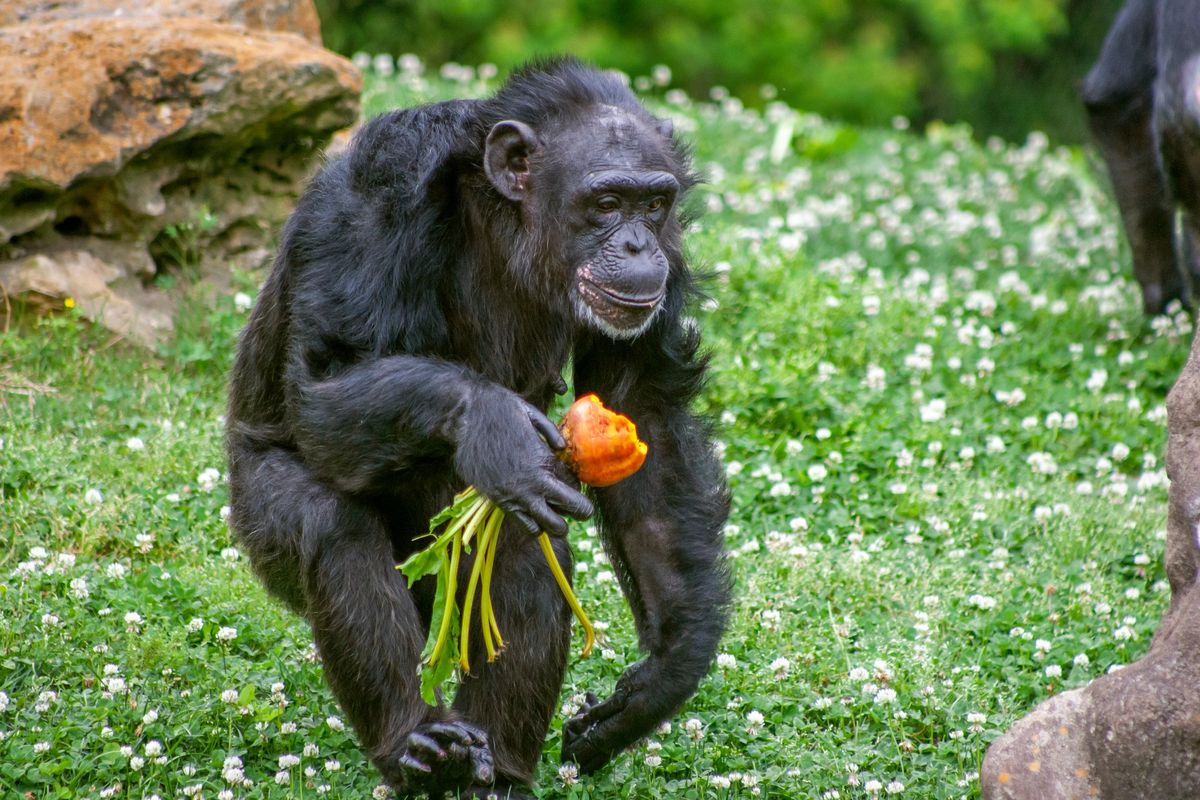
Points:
point(1133, 734)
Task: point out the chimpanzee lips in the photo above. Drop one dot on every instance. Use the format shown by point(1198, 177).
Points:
point(618, 315)
point(646, 303)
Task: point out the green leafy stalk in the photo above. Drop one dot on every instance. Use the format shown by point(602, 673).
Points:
point(472, 522)
point(589, 633)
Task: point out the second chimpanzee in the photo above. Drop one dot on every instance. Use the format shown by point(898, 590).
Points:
point(429, 290)
point(1143, 102)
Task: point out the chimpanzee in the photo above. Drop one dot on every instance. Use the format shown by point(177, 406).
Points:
point(1143, 103)
point(429, 289)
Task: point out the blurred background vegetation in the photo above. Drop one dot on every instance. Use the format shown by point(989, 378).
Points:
point(1006, 67)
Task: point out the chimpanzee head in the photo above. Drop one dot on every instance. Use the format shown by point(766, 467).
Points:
point(599, 187)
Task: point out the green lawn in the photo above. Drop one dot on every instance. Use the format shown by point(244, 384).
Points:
point(941, 412)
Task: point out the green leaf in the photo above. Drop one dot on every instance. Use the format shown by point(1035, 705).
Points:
point(434, 675)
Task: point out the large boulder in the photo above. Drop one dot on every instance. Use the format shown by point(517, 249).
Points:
point(137, 145)
point(284, 16)
point(1133, 734)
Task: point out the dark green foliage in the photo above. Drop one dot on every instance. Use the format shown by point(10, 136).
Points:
point(1005, 66)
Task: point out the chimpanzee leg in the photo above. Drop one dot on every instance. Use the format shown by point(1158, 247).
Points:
point(364, 621)
point(518, 692)
point(1118, 93)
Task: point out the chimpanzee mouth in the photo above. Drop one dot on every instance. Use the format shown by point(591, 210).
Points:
point(618, 315)
point(590, 289)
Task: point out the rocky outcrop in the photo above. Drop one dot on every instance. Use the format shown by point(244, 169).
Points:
point(1133, 734)
point(283, 16)
point(136, 145)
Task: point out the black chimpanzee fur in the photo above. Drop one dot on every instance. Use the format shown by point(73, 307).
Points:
point(1143, 102)
point(429, 289)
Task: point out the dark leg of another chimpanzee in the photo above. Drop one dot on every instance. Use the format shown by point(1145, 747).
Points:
point(1177, 120)
point(518, 692)
point(363, 616)
point(1119, 96)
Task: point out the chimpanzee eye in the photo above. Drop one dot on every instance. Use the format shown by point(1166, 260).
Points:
point(608, 203)
point(656, 204)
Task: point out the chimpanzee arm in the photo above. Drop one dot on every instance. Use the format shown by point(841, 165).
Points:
point(662, 528)
point(360, 429)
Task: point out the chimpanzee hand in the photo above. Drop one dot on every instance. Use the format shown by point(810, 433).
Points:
point(443, 756)
point(600, 730)
point(504, 449)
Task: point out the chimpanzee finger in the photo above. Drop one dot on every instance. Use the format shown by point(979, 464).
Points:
point(524, 521)
point(546, 518)
point(482, 770)
point(565, 499)
point(425, 747)
point(458, 731)
point(410, 762)
point(548, 430)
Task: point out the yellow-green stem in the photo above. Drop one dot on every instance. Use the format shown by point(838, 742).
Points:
point(564, 586)
point(464, 636)
point(487, 552)
point(451, 588)
point(488, 614)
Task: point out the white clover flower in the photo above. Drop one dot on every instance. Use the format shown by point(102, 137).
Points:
point(568, 774)
point(1124, 633)
point(311, 750)
point(817, 472)
point(282, 777)
point(144, 542)
point(780, 667)
point(1082, 660)
point(287, 761)
point(383, 791)
point(720, 782)
point(287, 728)
point(1053, 671)
point(229, 697)
point(885, 697)
point(41, 747)
point(3, 702)
point(115, 570)
point(982, 602)
point(726, 661)
point(226, 634)
point(858, 675)
point(894, 787)
point(653, 760)
point(755, 720)
point(335, 723)
point(207, 480)
point(79, 588)
point(694, 728)
point(133, 620)
point(153, 748)
point(873, 786)
point(93, 497)
point(134, 443)
point(242, 302)
point(934, 410)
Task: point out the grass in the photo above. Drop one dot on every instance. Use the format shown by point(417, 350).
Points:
point(941, 412)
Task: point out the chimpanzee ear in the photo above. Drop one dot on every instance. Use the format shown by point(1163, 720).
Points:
point(506, 158)
point(666, 128)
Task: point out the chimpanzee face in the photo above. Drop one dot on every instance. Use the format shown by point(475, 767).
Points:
point(608, 190)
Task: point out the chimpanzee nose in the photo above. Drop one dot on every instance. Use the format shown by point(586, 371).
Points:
point(636, 241)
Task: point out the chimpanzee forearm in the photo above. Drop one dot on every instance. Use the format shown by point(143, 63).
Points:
point(362, 426)
point(359, 429)
point(662, 528)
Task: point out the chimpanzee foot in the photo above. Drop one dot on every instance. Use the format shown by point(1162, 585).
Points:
point(440, 757)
